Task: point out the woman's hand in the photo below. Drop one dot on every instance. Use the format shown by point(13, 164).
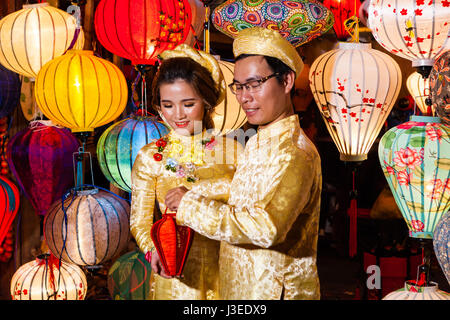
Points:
point(174, 196)
point(157, 266)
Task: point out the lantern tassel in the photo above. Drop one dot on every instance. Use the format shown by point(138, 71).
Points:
point(206, 31)
point(353, 212)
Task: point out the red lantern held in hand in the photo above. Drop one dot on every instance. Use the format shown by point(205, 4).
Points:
point(172, 243)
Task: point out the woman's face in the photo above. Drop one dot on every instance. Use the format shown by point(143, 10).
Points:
point(182, 107)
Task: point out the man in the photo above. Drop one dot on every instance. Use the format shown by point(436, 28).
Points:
point(269, 226)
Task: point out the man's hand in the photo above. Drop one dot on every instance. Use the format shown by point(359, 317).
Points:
point(174, 196)
point(157, 266)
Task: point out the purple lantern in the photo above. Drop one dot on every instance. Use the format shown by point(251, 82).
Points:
point(9, 91)
point(41, 159)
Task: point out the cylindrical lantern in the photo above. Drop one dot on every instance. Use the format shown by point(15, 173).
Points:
point(419, 88)
point(412, 29)
point(228, 115)
point(342, 10)
point(355, 88)
point(139, 30)
point(440, 87)
point(129, 277)
point(411, 291)
point(9, 91)
point(119, 145)
point(441, 244)
point(33, 36)
point(415, 160)
point(81, 91)
point(88, 228)
point(41, 159)
point(45, 279)
point(9, 205)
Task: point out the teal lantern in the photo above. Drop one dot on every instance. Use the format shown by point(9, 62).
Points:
point(119, 145)
point(415, 158)
point(129, 277)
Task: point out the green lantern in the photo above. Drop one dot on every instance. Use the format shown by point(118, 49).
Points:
point(129, 277)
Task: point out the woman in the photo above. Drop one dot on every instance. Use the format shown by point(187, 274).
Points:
point(188, 85)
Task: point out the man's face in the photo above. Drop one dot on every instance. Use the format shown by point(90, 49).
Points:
point(268, 103)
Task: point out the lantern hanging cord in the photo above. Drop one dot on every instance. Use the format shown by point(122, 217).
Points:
point(351, 25)
point(206, 31)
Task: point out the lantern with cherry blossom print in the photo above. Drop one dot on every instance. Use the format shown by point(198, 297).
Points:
point(355, 88)
point(342, 10)
point(419, 88)
point(415, 158)
point(416, 30)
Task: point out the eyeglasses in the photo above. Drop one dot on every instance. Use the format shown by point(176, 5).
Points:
point(251, 86)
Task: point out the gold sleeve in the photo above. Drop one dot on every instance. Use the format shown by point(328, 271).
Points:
point(142, 200)
point(265, 220)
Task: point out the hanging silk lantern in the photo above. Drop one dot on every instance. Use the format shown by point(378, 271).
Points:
point(415, 158)
point(228, 115)
point(355, 88)
point(40, 158)
point(342, 10)
point(129, 277)
point(88, 228)
point(363, 12)
point(9, 91)
point(441, 244)
point(419, 88)
point(299, 21)
point(440, 87)
point(45, 279)
point(416, 30)
point(119, 145)
point(33, 36)
point(139, 30)
point(198, 11)
point(411, 291)
point(9, 205)
point(81, 91)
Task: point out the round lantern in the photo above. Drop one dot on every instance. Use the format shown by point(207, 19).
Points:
point(228, 115)
point(139, 30)
point(88, 228)
point(441, 244)
point(119, 145)
point(45, 279)
point(33, 36)
point(412, 29)
point(440, 87)
point(41, 159)
point(355, 88)
point(9, 91)
point(129, 277)
point(419, 88)
point(415, 160)
point(81, 91)
point(9, 205)
point(342, 10)
point(411, 291)
point(363, 12)
point(299, 21)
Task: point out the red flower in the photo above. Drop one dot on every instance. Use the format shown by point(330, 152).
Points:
point(420, 2)
point(408, 157)
point(445, 3)
point(404, 178)
point(379, 105)
point(417, 225)
point(407, 38)
point(161, 143)
point(157, 157)
point(418, 12)
point(404, 12)
point(419, 39)
point(433, 133)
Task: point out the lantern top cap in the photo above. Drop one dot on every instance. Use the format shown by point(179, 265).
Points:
point(35, 5)
point(425, 119)
point(354, 45)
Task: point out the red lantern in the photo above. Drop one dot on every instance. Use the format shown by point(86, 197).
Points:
point(9, 205)
point(172, 243)
point(139, 30)
point(342, 10)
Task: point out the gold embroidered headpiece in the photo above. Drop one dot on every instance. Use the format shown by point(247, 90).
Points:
point(266, 42)
point(204, 59)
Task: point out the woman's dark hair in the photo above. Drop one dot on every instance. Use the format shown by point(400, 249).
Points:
point(183, 68)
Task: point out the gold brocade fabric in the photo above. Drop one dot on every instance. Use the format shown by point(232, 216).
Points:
point(151, 181)
point(269, 226)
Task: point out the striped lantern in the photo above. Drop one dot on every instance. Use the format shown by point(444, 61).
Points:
point(119, 145)
point(45, 279)
point(41, 159)
point(416, 30)
point(441, 244)
point(129, 277)
point(228, 115)
point(9, 91)
point(415, 158)
point(355, 88)
point(411, 291)
point(419, 88)
point(9, 205)
point(33, 36)
point(81, 91)
point(88, 228)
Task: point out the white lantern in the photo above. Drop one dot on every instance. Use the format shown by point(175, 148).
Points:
point(416, 30)
point(419, 88)
point(355, 88)
point(411, 291)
